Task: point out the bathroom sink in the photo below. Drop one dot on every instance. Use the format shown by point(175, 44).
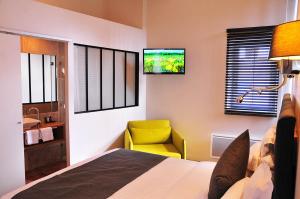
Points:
point(30, 122)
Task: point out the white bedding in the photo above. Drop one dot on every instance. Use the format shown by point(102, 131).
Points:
point(172, 178)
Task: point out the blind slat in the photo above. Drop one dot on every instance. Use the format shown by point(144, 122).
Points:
point(248, 66)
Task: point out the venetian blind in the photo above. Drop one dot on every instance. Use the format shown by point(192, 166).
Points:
point(248, 66)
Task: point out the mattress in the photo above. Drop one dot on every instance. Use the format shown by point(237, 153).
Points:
point(160, 177)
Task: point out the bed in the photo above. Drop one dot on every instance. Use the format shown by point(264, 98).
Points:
point(124, 174)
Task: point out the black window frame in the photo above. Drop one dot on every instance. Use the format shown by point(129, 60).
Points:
point(43, 71)
point(237, 72)
point(125, 73)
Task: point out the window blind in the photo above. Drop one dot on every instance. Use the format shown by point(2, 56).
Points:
point(248, 66)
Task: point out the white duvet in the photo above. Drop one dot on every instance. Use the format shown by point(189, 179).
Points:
point(172, 178)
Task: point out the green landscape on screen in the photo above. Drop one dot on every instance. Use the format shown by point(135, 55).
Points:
point(164, 61)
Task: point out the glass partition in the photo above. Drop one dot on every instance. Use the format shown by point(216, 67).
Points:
point(105, 78)
point(39, 77)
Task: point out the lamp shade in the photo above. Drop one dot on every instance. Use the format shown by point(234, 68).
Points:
point(286, 42)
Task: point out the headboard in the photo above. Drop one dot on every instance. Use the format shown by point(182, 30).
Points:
point(285, 152)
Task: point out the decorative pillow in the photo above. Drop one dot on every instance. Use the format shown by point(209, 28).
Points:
point(236, 191)
point(231, 167)
point(254, 156)
point(260, 185)
point(150, 136)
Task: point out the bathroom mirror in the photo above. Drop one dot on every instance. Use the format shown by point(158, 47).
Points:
point(39, 79)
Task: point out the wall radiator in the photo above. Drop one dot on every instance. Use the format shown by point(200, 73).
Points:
point(219, 142)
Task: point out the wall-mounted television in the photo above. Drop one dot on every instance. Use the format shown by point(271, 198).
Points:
point(164, 60)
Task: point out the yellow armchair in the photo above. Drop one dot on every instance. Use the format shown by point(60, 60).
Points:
point(128, 140)
point(154, 136)
point(179, 143)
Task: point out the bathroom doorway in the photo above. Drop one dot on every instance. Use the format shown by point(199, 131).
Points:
point(43, 77)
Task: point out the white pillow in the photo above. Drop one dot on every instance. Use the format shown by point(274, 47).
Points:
point(254, 156)
point(269, 138)
point(236, 190)
point(269, 160)
point(260, 185)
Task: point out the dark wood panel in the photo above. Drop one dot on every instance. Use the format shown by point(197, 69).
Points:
point(40, 172)
point(41, 155)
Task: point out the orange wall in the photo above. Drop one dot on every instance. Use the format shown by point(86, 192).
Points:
point(38, 46)
point(129, 12)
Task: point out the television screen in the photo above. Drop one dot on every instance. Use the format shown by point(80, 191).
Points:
point(164, 61)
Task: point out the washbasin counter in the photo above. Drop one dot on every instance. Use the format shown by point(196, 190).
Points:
point(30, 122)
point(45, 125)
point(58, 133)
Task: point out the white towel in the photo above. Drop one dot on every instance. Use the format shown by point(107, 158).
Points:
point(47, 134)
point(32, 137)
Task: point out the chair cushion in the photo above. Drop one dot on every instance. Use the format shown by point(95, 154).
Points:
point(159, 149)
point(148, 124)
point(150, 136)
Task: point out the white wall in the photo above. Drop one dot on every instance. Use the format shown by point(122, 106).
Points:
point(89, 132)
point(291, 10)
point(195, 102)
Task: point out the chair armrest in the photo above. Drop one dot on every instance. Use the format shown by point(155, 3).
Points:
point(128, 144)
point(179, 143)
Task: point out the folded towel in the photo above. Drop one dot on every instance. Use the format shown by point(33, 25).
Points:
point(32, 137)
point(47, 134)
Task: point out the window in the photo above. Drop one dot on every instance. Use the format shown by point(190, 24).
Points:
point(105, 78)
point(248, 66)
point(39, 79)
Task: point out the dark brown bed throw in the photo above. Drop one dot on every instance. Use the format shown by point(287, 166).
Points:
point(97, 179)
